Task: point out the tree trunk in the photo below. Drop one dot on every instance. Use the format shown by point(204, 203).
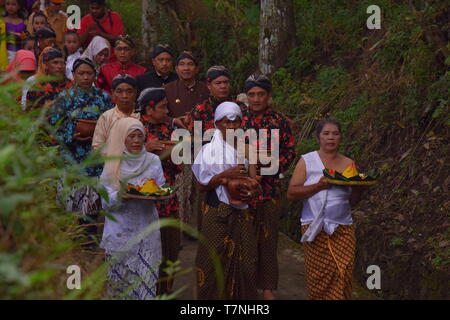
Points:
point(149, 26)
point(277, 34)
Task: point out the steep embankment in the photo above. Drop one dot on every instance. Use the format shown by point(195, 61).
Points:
point(390, 90)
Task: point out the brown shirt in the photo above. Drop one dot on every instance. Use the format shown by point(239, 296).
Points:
point(183, 99)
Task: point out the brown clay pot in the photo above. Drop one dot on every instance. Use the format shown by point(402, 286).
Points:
point(85, 128)
point(234, 187)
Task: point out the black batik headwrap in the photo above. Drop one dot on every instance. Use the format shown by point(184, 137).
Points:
point(81, 61)
point(51, 54)
point(150, 96)
point(160, 48)
point(126, 39)
point(187, 55)
point(45, 33)
point(124, 78)
point(258, 81)
point(217, 71)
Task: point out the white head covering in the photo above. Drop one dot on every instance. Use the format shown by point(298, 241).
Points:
point(96, 45)
point(227, 109)
point(134, 168)
point(217, 156)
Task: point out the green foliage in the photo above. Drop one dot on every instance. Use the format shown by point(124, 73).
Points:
point(34, 231)
point(299, 60)
point(329, 78)
point(130, 11)
point(350, 115)
point(229, 35)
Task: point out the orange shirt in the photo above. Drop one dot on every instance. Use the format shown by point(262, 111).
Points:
point(58, 24)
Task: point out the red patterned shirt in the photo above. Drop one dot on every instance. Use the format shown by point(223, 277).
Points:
point(162, 131)
point(204, 112)
point(46, 91)
point(272, 120)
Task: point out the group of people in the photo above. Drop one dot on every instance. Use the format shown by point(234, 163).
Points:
point(134, 111)
point(28, 27)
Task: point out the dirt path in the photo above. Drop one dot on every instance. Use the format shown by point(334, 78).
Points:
point(290, 256)
point(291, 285)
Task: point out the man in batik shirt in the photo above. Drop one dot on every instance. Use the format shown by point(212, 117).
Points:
point(152, 104)
point(261, 115)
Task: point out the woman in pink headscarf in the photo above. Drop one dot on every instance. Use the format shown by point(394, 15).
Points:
point(22, 66)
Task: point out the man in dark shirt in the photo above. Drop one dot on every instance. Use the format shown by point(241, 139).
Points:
point(259, 116)
point(162, 60)
point(186, 92)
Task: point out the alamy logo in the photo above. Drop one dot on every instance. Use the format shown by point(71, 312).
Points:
point(374, 20)
point(267, 152)
point(74, 280)
point(374, 281)
point(74, 17)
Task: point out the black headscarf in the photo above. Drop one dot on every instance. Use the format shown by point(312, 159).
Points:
point(81, 61)
point(52, 53)
point(150, 96)
point(123, 78)
point(45, 33)
point(217, 71)
point(187, 55)
point(160, 48)
point(258, 81)
point(126, 39)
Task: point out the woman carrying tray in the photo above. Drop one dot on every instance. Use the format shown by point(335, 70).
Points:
point(327, 225)
point(152, 104)
point(133, 270)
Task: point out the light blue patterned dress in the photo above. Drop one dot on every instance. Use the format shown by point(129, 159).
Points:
point(71, 104)
point(77, 103)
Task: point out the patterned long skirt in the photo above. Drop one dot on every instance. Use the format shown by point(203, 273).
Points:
point(184, 193)
point(84, 201)
point(232, 234)
point(329, 264)
point(268, 215)
point(133, 276)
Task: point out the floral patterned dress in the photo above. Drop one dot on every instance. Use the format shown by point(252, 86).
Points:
point(77, 103)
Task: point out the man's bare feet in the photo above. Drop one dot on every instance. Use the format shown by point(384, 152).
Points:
point(268, 295)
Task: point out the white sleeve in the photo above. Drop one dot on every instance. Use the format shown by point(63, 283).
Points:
point(113, 195)
point(25, 88)
point(203, 172)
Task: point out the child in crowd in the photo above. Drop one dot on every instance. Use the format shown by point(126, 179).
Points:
point(15, 26)
point(72, 51)
point(36, 21)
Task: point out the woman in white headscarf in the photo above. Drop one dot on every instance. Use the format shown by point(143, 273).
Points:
point(228, 226)
point(98, 50)
point(130, 263)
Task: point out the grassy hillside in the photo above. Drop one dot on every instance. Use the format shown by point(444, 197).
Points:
point(390, 90)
